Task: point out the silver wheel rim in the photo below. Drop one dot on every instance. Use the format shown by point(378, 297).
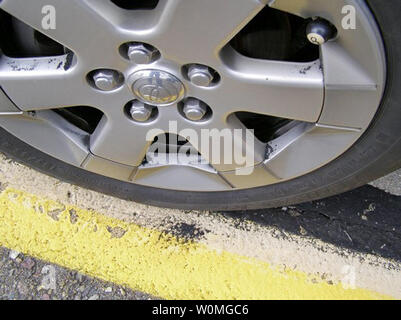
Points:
point(331, 101)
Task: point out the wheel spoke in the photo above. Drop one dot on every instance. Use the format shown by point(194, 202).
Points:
point(193, 29)
point(43, 83)
point(189, 178)
point(301, 149)
point(225, 144)
point(305, 147)
point(51, 134)
point(250, 177)
point(121, 140)
point(351, 94)
point(353, 64)
point(23, 79)
point(281, 89)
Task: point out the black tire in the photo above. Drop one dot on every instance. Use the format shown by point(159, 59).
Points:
point(377, 152)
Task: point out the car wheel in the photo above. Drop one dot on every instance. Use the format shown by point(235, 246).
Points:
point(208, 104)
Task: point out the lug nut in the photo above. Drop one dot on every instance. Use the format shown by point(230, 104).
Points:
point(320, 31)
point(200, 75)
point(106, 80)
point(194, 109)
point(140, 112)
point(141, 54)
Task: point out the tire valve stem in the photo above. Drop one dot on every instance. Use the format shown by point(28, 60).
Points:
point(319, 31)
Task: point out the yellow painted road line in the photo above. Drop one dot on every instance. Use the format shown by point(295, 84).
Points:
point(148, 260)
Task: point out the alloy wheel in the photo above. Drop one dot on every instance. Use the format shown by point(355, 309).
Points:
point(116, 82)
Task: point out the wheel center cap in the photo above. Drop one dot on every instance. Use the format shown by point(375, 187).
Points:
point(156, 87)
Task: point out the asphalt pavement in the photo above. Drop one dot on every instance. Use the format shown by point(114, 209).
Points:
point(365, 221)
